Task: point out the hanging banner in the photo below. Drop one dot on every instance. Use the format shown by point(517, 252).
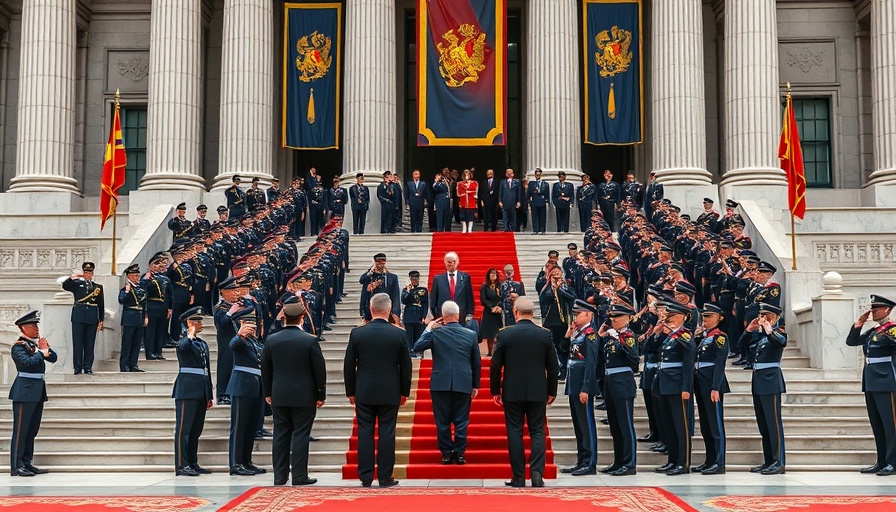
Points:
point(613, 72)
point(461, 72)
point(312, 59)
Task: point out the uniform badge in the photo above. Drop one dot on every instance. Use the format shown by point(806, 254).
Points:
point(892, 331)
point(592, 336)
point(630, 341)
point(685, 336)
point(774, 292)
point(720, 341)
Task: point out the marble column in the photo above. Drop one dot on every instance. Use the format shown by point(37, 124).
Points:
point(46, 111)
point(883, 100)
point(752, 101)
point(247, 91)
point(553, 129)
point(174, 133)
point(370, 143)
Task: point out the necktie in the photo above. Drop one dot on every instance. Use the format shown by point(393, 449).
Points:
point(489, 183)
point(451, 285)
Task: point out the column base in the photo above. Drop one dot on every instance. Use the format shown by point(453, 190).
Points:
point(881, 195)
point(53, 201)
point(754, 176)
point(773, 194)
point(44, 183)
point(172, 181)
point(224, 180)
point(684, 176)
point(690, 197)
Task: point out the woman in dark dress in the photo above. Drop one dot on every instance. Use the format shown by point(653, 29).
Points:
point(492, 314)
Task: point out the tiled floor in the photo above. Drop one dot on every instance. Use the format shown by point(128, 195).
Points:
point(219, 488)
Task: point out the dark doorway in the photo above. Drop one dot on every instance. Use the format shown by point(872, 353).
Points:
point(328, 163)
point(617, 159)
point(430, 160)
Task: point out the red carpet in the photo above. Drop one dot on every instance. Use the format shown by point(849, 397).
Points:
point(101, 503)
point(803, 503)
point(467, 499)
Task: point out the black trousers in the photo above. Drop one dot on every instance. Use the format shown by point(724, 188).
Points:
point(881, 411)
point(175, 326)
point(608, 209)
point(653, 424)
point(562, 220)
point(677, 435)
point(443, 218)
point(451, 408)
point(292, 435)
point(369, 417)
point(243, 426)
point(223, 368)
point(416, 220)
point(585, 216)
point(509, 215)
point(534, 416)
point(26, 418)
point(561, 345)
point(585, 429)
point(131, 338)
point(771, 427)
point(298, 226)
point(620, 413)
point(387, 218)
point(412, 332)
point(189, 419)
point(359, 221)
point(154, 337)
point(316, 218)
point(539, 219)
point(83, 342)
point(712, 424)
point(490, 216)
point(200, 296)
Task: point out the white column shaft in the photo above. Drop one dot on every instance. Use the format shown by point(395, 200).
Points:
point(678, 118)
point(554, 135)
point(46, 111)
point(883, 90)
point(370, 140)
point(174, 133)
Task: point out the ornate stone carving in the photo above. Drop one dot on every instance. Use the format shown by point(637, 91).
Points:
point(9, 313)
point(137, 68)
point(858, 253)
point(43, 258)
point(805, 59)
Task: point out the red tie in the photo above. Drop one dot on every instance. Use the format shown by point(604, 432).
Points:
point(451, 285)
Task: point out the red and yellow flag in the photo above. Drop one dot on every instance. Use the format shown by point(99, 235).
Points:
point(113, 171)
point(791, 155)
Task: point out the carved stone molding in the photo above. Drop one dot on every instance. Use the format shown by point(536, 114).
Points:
point(808, 61)
point(855, 253)
point(135, 69)
point(127, 70)
point(805, 59)
point(56, 259)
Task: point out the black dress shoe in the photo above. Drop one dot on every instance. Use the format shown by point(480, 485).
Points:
point(649, 438)
point(665, 467)
point(35, 470)
point(266, 433)
point(758, 469)
point(388, 483)
point(312, 439)
point(537, 479)
point(253, 467)
point(137, 369)
point(660, 448)
point(624, 471)
point(305, 481)
point(366, 484)
point(159, 357)
point(715, 469)
point(201, 470)
point(224, 400)
point(572, 468)
point(605, 421)
point(88, 371)
point(699, 468)
point(602, 406)
point(678, 470)
point(885, 471)
point(240, 470)
point(447, 459)
point(608, 469)
point(777, 469)
point(748, 367)
point(515, 483)
point(187, 471)
point(871, 469)
point(460, 460)
point(584, 470)
point(21, 471)
point(739, 362)
point(77, 372)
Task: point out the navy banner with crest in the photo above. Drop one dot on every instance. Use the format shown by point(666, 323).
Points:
point(312, 60)
point(613, 73)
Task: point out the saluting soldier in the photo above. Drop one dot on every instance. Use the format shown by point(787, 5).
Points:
point(255, 196)
point(585, 201)
point(28, 393)
point(201, 225)
point(87, 316)
point(222, 214)
point(709, 216)
point(179, 225)
point(710, 386)
point(768, 386)
point(674, 385)
point(378, 279)
point(416, 304)
point(245, 393)
point(620, 356)
point(609, 194)
point(317, 204)
point(273, 192)
point(192, 395)
point(581, 386)
point(632, 190)
point(159, 303)
point(879, 380)
point(236, 198)
point(132, 298)
point(181, 275)
point(510, 290)
point(231, 294)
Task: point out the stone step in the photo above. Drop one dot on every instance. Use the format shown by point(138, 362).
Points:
point(159, 427)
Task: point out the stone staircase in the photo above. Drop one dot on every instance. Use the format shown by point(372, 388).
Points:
point(115, 421)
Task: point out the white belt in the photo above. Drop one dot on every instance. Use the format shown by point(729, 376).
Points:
point(25, 375)
point(193, 371)
point(246, 369)
point(876, 360)
point(670, 365)
point(763, 366)
point(651, 365)
point(704, 364)
point(618, 369)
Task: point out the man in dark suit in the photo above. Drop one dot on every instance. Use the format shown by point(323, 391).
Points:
point(453, 285)
point(377, 374)
point(294, 379)
point(456, 366)
point(526, 356)
point(415, 200)
point(510, 195)
point(87, 316)
point(562, 196)
point(488, 198)
point(28, 393)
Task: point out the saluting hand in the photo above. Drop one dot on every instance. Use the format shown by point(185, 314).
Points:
point(862, 319)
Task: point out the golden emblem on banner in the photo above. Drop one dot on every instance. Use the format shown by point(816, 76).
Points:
point(463, 57)
point(314, 60)
point(614, 55)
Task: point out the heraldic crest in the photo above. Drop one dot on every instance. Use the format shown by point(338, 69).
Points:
point(314, 59)
point(614, 55)
point(463, 55)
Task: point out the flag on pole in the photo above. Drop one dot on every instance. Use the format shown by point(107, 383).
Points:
point(113, 170)
point(791, 155)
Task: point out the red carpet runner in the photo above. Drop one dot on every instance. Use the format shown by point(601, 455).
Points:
point(415, 499)
point(101, 503)
point(803, 503)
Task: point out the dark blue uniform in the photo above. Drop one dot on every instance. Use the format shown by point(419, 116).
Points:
point(133, 318)
point(159, 302)
point(337, 197)
point(181, 276)
point(317, 204)
point(415, 195)
point(247, 403)
point(538, 195)
point(416, 305)
point(620, 356)
point(28, 394)
point(87, 313)
point(225, 332)
point(236, 202)
point(386, 196)
point(712, 353)
point(360, 199)
point(675, 376)
point(507, 287)
point(441, 194)
point(585, 203)
point(181, 229)
point(609, 194)
point(192, 393)
point(581, 377)
point(768, 386)
point(562, 196)
point(879, 385)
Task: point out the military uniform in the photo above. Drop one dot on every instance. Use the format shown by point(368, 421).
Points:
point(225, 331)
point(676, 376)
point(181, 276)
point(538, 195)
point(581, 377)
point(712, 353)
point(767, 387)
point(317, 204)
point(236, 200)
point(385, 282)
point(159, 303)
point(585, 202)
point(386, 196)
point(255, 197)
point(132, 298)
point(508, 287)
point(192, 397)
point(562, 196)
point(416, 306)
point(337, 198)
point(244, 390)
point(180, 227)
point(609, 193)
point(87, 314)
point(620, 355)
point(360, 199)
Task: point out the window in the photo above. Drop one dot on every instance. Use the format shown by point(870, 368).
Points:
point(133, 129)
point(813, 119)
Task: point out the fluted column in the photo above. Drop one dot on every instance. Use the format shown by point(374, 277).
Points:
point(678, 118)
point(370, 142)
point(173, 128)
point(553, 130)
point(752, 97)
point(46, 112)
point(883, 90)
point(247, 90)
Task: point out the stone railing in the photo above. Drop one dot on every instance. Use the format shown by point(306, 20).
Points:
point(854, 253)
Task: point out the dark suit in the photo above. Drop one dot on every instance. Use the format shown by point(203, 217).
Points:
point(526, 355)
point(441, 291)
point(456, 366)
point(415, 196)
point(488, 197)
point(294, 376)
point(377, 373)
point(87, 313)
point(509, 193)
point(563, 195)
point(28, 394)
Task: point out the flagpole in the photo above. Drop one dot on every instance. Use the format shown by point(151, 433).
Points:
point(115, 210)
point(792, 217)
